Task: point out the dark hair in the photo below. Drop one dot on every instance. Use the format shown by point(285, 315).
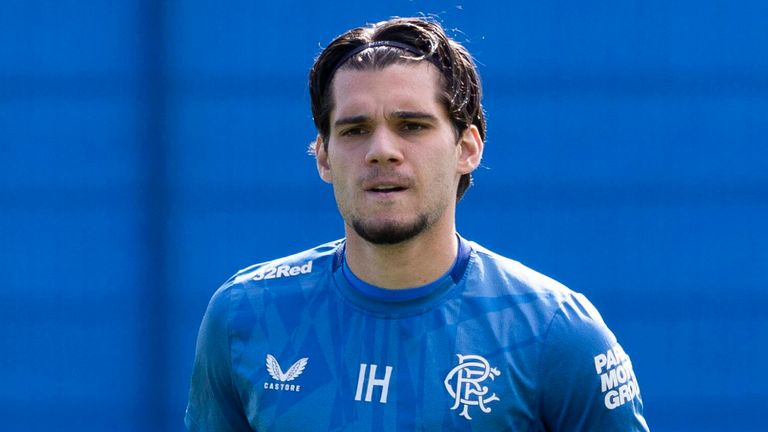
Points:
point(460, 81)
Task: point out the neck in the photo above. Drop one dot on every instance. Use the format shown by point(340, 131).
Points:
point(409, 264)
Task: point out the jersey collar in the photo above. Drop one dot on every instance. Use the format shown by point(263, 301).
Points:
point(401, 302)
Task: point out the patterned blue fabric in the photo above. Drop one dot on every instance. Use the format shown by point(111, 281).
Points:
point(291, 345)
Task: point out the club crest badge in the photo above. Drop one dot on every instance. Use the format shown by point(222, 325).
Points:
point(465, 384)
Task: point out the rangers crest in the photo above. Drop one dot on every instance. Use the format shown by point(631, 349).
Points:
point(465, 383)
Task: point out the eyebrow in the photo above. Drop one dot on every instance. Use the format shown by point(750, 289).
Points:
point(351, 120)
point(402, 115)
point(413, 115)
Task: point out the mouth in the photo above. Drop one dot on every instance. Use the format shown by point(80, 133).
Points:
point(386, 189)
point(386, 192)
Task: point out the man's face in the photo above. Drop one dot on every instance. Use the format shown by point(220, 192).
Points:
point(393, 156)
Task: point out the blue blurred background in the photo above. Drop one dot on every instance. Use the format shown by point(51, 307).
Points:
point(150, 149)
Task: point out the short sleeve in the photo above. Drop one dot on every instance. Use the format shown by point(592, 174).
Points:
point(587, 380)
point(214, 404)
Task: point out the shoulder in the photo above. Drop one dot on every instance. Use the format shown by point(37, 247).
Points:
point(496, 275)
point(297, 264)
point(569, 317)
point(561, 319)
point(292, 274)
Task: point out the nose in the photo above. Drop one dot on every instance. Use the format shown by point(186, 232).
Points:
point(383, 148)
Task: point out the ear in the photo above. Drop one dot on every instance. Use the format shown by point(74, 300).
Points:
point(321, 158)
point(470, 148)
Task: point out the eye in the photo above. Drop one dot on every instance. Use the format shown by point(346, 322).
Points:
point(353, 131)
point(414, 127)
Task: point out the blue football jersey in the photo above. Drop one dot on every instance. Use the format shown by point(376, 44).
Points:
point(301, 344)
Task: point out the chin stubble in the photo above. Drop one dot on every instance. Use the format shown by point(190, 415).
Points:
point(390, 233)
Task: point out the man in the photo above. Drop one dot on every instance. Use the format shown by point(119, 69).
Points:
point(404, 325)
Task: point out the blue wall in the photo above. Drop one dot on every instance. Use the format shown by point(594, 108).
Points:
point(150, 149)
